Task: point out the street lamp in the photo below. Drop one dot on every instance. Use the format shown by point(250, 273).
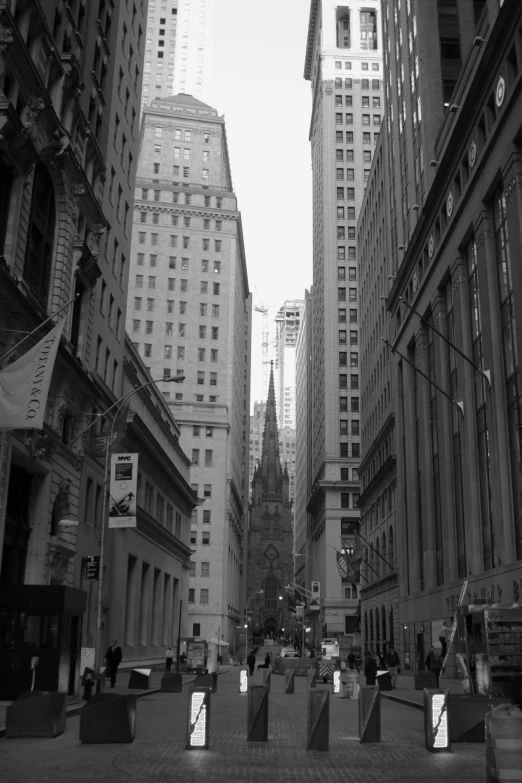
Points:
point(257, 592)
point(98, 654)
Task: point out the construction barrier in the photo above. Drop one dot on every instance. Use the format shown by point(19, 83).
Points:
point(257, 715)
point(369, 714)
point(108, 717)
point(243, 680)
point(504, 744)
point(36, 714)
point(139, 679)
point(171, 683)
point(318, 724)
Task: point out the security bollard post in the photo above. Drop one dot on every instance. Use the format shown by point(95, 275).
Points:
point(338, 686)
point(311, 676)
point(266, 676)
point(436, 728)
point(140, 679)
point(171, 683)
point(289, 680)
point(198, 719)
point(318, 725)
point(257, 716)
point(370, 714)
point(243, 680)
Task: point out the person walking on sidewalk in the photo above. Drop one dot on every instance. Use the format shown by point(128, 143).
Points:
point(169, 656)
point(393, 665)
point(113, 658)
point(444, 634)
point(370, 668)
point(251, 661)
point(434, 663)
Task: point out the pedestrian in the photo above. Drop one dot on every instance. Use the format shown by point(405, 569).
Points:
point(351, 660)
point(113, 658)
point(251, 662)
point(393, 665)
point(169, 655)
point(267, 660)
point(434, 663)
point(444, 634)
point(370, 668)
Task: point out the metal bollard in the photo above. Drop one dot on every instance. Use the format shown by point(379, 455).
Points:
point(436, 728)
point(243, 680)
point(257, 717)
point(198, 719)
point(289, 680)
point(370, 714)
point(318, 725)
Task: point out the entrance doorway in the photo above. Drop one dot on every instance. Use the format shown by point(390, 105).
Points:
point(271, 628)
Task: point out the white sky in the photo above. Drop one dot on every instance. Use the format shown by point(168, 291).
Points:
point(259, 52)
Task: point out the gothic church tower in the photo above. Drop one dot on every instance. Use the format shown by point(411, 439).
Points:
point(270, 538)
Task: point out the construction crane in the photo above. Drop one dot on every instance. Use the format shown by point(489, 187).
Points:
point(261, 308)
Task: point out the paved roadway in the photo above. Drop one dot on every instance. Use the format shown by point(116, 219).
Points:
point(158, 754)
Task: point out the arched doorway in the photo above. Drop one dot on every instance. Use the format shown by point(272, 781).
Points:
point(270, 628)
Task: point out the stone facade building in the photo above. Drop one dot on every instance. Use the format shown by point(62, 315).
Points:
point(189, 314)
point(270, 535)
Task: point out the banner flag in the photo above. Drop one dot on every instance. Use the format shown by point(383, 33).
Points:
point(358, 550)
point(124, 486)
point(342, 565)
point(24, 384)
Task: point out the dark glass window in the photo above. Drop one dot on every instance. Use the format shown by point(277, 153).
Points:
point(40, 235)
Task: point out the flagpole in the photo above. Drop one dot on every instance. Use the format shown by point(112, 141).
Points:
point(38, 327)
point(377, 553)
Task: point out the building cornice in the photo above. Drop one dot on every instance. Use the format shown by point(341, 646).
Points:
point(386, 470)
point(312, 23)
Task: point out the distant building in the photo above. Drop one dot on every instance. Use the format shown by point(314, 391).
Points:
point(270, 535)
point(257, 426)
point(178, 48)
point(288, 321)
point(189, 315)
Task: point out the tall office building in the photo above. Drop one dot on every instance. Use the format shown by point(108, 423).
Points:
point(190, 314)
point(288, 320)
point(344, 65)
point(178, 48)
point(456, 456)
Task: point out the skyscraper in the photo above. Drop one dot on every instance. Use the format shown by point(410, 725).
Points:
point(288, 320)
point(178, 48)
point(190, 314)
point(344, 65)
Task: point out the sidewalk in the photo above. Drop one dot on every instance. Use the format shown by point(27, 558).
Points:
point(405, 692)
point(75, 703)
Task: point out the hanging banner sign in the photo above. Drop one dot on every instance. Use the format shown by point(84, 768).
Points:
point(124, 486)
point(315, 601)
point(198, 734)
point(92, 570)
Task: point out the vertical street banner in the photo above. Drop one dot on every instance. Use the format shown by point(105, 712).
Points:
point(315, 601)
point(123, 489)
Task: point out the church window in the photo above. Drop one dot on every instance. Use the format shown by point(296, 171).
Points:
point(270, 589)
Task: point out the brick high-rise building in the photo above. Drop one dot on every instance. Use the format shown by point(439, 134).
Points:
point(344, 66)
point(189, 314)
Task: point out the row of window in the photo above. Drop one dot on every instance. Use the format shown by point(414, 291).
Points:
point(343, 336)
point(203, 596)
point(343, 359)
point(345, 503)
point(174, 221)
point(354, 382)
point(173, 241)
point(213, 333)
point(205, 263)
point(171, 285)
point(352, 295)
point(348, 83)
point(203, 307)
point(180, 352)
point(204, 569)
point(349, 427)
point(209, 457)
point(348, 66)
point(344, 452)
point(348, 155)
point(365, 101)
point(187, 134)
point(341, 316)
point(348, 119)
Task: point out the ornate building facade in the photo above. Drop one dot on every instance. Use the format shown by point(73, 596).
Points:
point(270, 537)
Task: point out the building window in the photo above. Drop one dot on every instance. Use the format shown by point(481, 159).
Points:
point(40, 235)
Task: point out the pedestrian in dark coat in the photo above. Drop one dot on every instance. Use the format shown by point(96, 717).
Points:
point(113, 658)
point(251, 661)
point(434, 663)
point(268, 660)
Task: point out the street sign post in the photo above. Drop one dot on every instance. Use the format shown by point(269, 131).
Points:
point(92, 570)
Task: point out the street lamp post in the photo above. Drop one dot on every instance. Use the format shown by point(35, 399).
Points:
point(98, 654)
point(257, 592)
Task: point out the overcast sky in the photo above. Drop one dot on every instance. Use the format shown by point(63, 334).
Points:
point(259, 51)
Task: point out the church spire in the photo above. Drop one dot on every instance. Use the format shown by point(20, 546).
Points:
point(270, 462)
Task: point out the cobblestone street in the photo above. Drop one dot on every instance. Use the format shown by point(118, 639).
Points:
point(158, 754)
